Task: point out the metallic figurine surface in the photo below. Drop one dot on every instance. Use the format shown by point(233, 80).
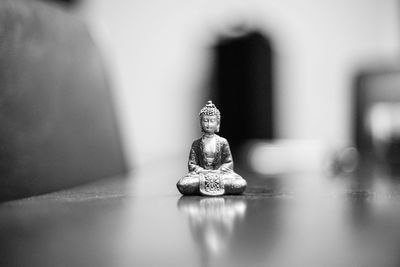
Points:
point(210, 161)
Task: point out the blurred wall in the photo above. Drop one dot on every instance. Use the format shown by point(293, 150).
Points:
point(158, 54)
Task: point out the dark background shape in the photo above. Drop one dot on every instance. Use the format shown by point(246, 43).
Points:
point(243, 87)
point(57, 123)
point(64, 3)
point(372, 86)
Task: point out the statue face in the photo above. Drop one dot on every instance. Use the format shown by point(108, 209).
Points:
point(209, 124)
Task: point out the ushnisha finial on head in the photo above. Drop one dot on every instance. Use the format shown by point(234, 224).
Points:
point(210, 161)
point(210, 109)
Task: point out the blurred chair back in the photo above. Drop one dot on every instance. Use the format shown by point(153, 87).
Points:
point(57, 123)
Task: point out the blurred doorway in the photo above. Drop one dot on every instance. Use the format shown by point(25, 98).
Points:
point(242, 87)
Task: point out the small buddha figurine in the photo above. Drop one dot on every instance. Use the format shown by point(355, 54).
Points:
point(210, 161)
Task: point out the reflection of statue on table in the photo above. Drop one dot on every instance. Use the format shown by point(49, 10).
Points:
point(210, 161)
point(213, 222)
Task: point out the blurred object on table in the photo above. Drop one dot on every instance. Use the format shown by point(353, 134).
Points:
point(285, 156)
point(344, 161)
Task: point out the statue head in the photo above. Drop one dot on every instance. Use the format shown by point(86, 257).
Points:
point(210, 118)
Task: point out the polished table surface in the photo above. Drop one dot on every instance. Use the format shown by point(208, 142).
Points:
point(312, 219)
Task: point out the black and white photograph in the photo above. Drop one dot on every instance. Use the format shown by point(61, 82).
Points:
point(200, 133)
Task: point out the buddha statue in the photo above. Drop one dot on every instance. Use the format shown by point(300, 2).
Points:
point(210, 161)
